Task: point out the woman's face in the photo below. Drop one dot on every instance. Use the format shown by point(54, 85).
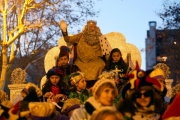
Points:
point(116, 56)
point(107, 96)
point(54, 79)
point(143, 98)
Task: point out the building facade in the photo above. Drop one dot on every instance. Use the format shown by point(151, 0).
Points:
point(163, 46)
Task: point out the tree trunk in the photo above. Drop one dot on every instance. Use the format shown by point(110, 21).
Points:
point(4, 67)
point(4, 49)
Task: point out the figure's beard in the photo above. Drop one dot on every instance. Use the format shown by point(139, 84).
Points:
point(92, 37)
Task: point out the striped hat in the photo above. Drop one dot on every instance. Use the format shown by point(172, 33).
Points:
point(139, 78)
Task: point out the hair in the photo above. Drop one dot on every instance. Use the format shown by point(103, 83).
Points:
point(68, 104)
point(47, 86)
point(91, 37)
point(103, 86)
point(104, 113)
point(62, 55)
point(121, 63)
point(128, 105)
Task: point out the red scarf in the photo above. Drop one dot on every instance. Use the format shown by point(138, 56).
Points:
point(55, 89)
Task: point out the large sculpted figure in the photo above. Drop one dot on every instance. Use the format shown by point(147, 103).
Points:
point(89, 49)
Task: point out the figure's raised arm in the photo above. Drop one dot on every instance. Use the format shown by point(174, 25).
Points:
point(70, 39)
point(63, 26)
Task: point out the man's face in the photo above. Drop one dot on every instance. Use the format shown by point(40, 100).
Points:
point(92, 27)
point(63, 60)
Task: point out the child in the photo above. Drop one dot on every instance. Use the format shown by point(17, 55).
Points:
point(54, 88)
point(63, 60)
point(78, 89)
point(104, 91)
point(62, 63)
point(116, 62)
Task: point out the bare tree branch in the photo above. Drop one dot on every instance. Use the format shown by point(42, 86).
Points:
point(33, 62)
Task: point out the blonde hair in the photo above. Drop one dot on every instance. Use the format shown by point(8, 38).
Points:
point(101, 115)
point(69, 103)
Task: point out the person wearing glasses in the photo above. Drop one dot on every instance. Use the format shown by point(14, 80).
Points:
point(140, 99)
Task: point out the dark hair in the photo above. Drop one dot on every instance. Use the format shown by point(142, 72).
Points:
point(121, 63)
point(128, 105)
point(62, 55)
point(31, 97)
point(74, 89)
point(61, 84)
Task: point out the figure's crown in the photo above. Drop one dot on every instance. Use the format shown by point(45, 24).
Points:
point(91, 22)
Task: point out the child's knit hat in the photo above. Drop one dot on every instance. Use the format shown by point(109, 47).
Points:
point(101, 82)
point(54, 71)
point(64, 50)
point(76, 77)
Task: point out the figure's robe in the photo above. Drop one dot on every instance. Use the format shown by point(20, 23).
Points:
point(89, 58)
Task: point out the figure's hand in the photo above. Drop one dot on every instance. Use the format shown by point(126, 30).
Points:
point(48, 94)
point(63, 25)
